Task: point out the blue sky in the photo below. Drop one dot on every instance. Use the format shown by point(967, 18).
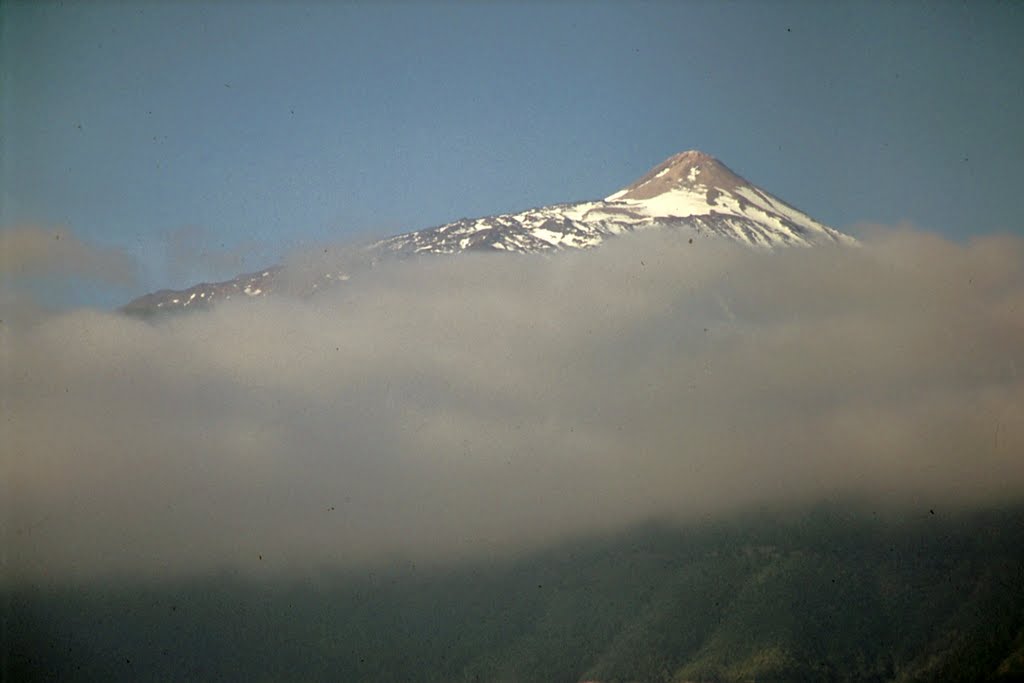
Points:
point(207, 139)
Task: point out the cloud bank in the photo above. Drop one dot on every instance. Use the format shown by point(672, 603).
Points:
point(481, 405)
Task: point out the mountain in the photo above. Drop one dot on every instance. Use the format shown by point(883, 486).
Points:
point(689, 191)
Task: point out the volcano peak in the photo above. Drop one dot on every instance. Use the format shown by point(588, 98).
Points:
point(691, 169)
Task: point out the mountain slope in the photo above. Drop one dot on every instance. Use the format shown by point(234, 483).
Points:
point(827, 594)
point(690, 191)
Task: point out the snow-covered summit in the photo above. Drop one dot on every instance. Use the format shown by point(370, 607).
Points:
point(690, 191)
point(694, 184)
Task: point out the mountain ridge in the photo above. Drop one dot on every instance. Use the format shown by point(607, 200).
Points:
point(689, 191)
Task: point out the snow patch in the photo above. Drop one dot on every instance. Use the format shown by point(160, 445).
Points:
point(678, 203)
point(548, 236)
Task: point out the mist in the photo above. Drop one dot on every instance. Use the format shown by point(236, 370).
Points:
point(485, 405)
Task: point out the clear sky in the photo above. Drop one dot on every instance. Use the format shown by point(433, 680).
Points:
point(207, 139)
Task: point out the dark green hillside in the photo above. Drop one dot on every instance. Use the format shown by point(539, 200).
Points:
point(828, 594)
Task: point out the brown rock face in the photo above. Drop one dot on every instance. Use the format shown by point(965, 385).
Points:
point(686, 169)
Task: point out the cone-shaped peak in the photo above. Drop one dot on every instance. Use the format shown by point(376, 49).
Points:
point(690, 169)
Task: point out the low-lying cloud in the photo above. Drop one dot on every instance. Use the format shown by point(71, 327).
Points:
point(463, 407)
